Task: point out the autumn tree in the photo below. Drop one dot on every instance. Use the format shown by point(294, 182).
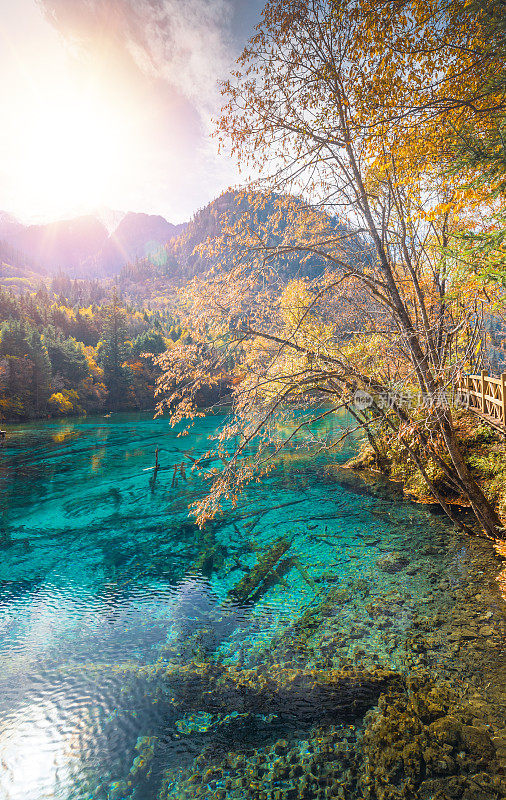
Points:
point(477, 154)
point(324, 104)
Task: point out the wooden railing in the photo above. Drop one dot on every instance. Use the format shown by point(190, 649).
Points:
point(486, 396)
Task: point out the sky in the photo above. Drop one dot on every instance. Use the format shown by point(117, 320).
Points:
point(109, 104)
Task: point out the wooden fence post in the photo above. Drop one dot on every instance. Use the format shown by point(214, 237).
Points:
point(483, 376)
point(503, 397)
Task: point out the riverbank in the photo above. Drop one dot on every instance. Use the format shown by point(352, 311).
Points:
point(483, 449)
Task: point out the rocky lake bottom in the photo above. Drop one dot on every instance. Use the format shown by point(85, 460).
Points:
point(326, 638)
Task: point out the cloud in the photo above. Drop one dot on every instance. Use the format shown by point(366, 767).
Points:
point(187, 43)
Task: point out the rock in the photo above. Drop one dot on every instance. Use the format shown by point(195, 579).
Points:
point(449, 789)
point(476, 741)
point(446, 730)
point(413, 761)
point(486, 630)
point(499, 743)
point(417, 745)
point(430, 550)
point(392, 562)
point(467, 633)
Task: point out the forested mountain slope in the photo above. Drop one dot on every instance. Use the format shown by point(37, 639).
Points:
point(192, 252)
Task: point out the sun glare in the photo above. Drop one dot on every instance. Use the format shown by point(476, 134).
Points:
point(34, 754)
point(72, 149)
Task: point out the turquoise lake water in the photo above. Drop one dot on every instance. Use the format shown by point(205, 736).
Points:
point(103, 573)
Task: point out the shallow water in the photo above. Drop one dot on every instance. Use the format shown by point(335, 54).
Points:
point(103, 573)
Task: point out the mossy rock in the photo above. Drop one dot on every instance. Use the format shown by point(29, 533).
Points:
point(446, 730)
point(476, 741)
point(418, 744)
point(392, 562)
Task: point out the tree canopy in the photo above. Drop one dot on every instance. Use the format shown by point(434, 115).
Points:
point(355, 107)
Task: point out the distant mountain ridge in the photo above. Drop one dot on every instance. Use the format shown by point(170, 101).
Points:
point(137, 236)
point(82, 246)
point(147, 250)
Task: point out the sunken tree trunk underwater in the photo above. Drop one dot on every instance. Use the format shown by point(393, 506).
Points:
point(302, 695)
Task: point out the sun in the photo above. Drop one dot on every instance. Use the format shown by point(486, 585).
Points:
point(73, 148)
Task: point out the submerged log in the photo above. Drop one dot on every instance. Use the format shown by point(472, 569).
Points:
point(250, 585)
point(275, 576)
point(300, 695)
point(210, 559)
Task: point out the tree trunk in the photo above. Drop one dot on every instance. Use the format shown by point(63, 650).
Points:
point(482, 508)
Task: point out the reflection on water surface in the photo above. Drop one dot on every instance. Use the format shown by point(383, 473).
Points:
point(142, 658)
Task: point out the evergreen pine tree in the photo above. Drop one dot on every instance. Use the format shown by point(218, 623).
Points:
point(113, 350)
point(28, 366)
point(41, 374)
point(66, 355)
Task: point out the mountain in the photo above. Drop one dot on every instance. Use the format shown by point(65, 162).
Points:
point(148, 251)
point(137, 236)
point(272, 214)
point(9, 226)
point(62, 245)
point(181, 257)
point(109, 217)
point(82, 246)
